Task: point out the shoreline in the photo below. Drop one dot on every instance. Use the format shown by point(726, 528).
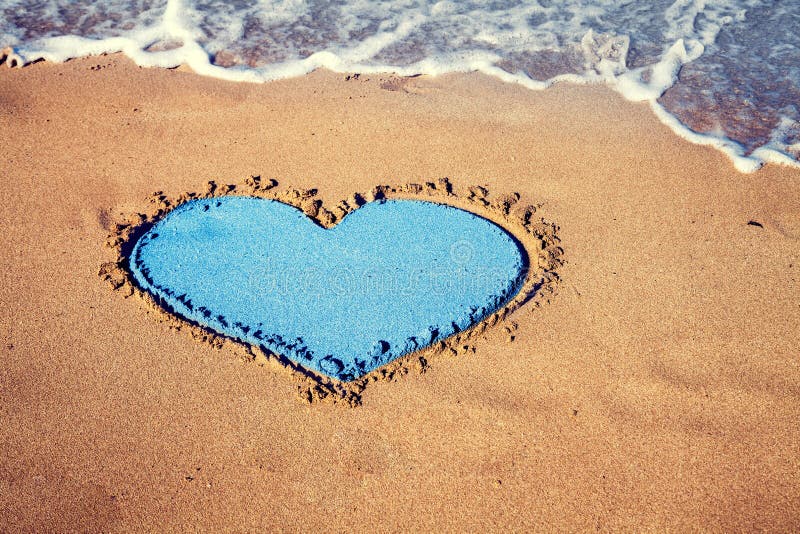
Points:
point(658, 389)
point(629, 85)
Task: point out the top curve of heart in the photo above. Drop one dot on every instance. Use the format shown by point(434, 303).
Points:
point(392, 277)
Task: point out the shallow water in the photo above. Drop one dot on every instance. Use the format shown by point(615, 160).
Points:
point(728, 70)
point(393, 277)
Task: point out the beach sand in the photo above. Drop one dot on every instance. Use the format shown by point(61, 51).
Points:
point(658, 389)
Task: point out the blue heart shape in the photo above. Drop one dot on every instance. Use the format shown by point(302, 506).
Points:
point(393, 277)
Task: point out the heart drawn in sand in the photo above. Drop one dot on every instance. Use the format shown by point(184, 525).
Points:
point(392, 277)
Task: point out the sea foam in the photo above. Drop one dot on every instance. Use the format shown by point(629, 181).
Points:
point(723, 73)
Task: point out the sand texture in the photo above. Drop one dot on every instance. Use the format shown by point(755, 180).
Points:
point(652, 384)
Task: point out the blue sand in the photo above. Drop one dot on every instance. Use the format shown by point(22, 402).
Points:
point(393, 277)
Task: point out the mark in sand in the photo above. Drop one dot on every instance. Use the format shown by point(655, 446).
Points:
point(393, 277)
point(343, 297)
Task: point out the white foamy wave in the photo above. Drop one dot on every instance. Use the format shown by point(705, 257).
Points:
point(709, 68)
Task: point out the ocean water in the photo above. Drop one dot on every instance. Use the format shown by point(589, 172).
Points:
point(392, 277)
point(724, 73)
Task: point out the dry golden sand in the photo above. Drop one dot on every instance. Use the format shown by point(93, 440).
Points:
point(660, 387)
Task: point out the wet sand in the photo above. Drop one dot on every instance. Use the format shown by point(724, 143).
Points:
point(657, 389)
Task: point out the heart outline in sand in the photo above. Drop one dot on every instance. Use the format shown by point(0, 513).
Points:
point(183, 257)
point(538, 235)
